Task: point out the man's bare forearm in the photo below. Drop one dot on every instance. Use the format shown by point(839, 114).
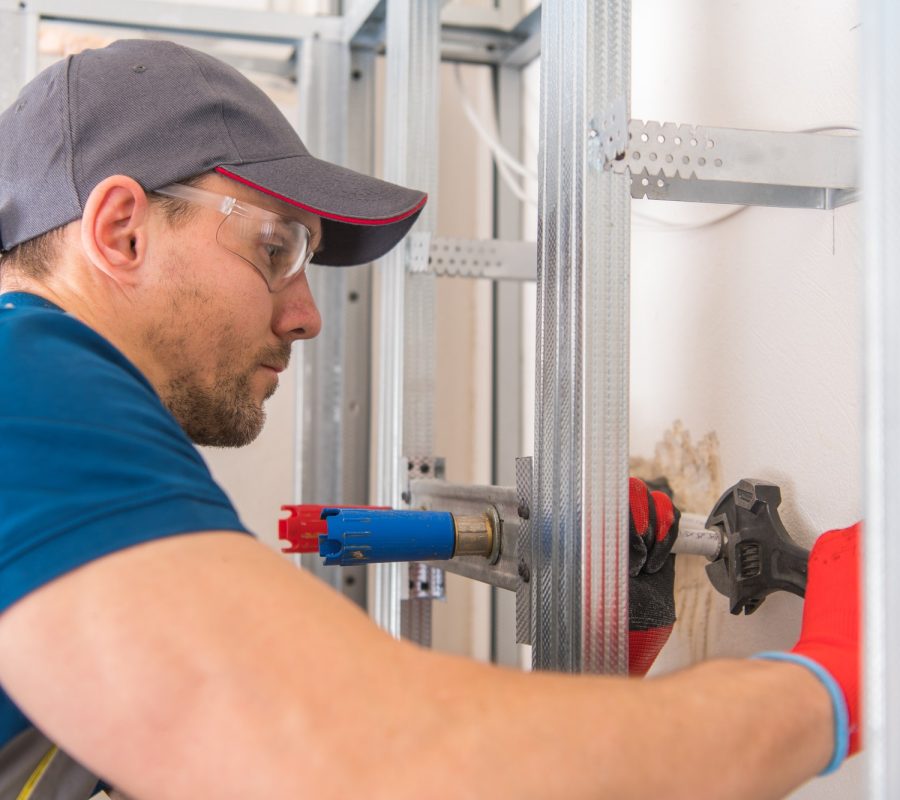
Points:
point(730, 729)
point(212, 668)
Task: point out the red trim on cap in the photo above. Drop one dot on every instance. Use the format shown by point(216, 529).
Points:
point(318, 212)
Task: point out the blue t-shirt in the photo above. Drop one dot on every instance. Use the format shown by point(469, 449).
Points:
point(91, 462)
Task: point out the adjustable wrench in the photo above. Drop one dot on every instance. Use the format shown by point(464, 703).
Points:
point(751, 553)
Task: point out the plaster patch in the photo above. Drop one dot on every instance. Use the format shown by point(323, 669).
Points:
point(694, 473)
point(693, 470)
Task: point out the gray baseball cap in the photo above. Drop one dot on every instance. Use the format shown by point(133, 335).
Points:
point(161, 113)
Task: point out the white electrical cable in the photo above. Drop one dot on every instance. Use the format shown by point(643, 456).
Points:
point(490, 137)
point(508, 165)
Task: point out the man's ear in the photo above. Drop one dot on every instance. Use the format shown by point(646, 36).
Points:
point(114, 228)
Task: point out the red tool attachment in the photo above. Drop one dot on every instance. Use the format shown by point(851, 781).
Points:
point(301, 529)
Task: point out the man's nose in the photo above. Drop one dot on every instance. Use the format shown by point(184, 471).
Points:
point(296, 313)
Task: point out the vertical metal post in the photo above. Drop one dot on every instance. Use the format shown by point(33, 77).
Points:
point(358, 293)
point(580, 553)
point(406, 312)
point(881, 202)
point(333, 384)
point(508, 386)
point(18, 53)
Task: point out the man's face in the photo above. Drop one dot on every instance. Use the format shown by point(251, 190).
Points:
point(219, 338)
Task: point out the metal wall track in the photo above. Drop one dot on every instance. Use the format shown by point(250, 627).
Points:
point(333, 384)
point(406, 328)
point(18, 53)
point(579, 509)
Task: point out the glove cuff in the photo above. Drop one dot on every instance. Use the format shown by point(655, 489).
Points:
point(838, 703)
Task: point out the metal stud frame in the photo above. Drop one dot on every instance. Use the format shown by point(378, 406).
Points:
point(406, 311)
point(333, 384)
point(580, 511)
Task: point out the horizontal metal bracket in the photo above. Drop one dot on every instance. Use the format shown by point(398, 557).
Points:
point(426, 583)
point(437, 495)
point(194, 18)
point(483, 258)
point(469, 34)
point(725, 165)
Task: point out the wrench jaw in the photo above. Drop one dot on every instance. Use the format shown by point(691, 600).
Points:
point(758, 555)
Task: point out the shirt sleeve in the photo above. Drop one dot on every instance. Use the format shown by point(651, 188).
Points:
point(91, 462)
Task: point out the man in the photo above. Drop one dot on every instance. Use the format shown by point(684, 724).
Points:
point(158, 214)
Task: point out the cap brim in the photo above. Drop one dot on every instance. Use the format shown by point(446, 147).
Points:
point(362, 217)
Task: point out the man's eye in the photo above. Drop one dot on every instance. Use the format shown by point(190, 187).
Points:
point(272, 251)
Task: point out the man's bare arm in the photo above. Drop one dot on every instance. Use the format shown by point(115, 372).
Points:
point(205, 666)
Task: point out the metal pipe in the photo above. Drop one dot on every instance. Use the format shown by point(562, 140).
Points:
point(474, 536)
point(695, 539)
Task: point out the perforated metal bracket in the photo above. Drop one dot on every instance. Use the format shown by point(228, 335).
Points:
point(483, 258)
point(524, 620)
point(726, 165)
point(426, 467)
point(419, 249)
point(426, 582)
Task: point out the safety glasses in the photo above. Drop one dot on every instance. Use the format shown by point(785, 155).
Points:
point(276, 246)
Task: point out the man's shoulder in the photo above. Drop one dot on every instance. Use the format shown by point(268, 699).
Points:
point(25, 331)
point(42, 348)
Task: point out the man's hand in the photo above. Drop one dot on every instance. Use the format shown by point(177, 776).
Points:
point(829, 639)
point(654, 528)
point(831, 616)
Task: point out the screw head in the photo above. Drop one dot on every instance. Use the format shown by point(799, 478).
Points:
point(524, 571)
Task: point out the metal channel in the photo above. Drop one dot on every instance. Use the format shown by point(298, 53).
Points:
point(334, 382)
point(413, 53)
point(364, 22)
point(529, 28)
point(508, 353)
point(419, 355)
point(16, 46)
point(493, 259)
point(580, 553)
point(189, 18)
point(525, 622)
point(881, 547)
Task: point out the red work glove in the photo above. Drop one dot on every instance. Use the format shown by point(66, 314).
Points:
point(830, 634)
point(651, 589)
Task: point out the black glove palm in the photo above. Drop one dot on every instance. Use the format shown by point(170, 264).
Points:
point(651, 588)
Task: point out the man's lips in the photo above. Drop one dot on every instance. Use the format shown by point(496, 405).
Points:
point(275, 367)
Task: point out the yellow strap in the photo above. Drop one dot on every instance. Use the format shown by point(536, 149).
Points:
point(38, 773)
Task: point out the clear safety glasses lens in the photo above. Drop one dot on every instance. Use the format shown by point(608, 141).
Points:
point(277, 247)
